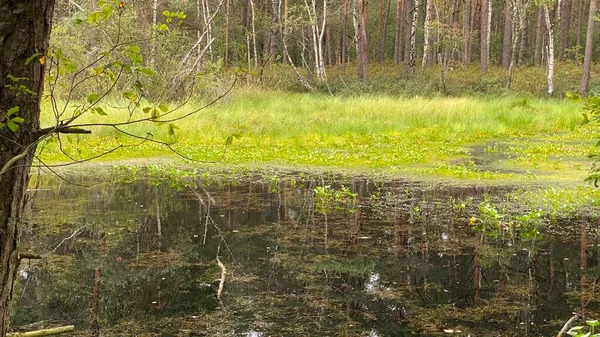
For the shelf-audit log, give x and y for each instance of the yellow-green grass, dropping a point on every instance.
(466, 138)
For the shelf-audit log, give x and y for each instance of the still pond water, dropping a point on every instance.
(303, 254)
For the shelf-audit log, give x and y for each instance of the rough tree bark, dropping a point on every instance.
(362, 43)
(580, 14)
(539, 38)
(507, 35)
(24, 31)
(589, 44)
(398, 35)
(466, 55)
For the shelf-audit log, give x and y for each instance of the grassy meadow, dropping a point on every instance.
(467, 138)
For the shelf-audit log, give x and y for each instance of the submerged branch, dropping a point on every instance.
(45, 332)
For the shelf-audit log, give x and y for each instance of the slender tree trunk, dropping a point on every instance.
(227, 19)
(426, 31)
(519, 8)
(524, 40)
(275, 27)
(580, 19)
(408, 8)
(508, 32)
(342, 59)
(286, 9)
(467, 8)
(589, 44)
(253, 25)
(24, 31)
(413, 38)
(380, 32)
(398, 36)
(386, 24)
(329, 45)
(550, 51)
(565, 25)
(539, 38)
(153, 45)
(362, 42)
(485, 26)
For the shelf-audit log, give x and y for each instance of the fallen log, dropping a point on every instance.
(44, 332)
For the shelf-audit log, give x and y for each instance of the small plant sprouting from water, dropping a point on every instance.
(580, 331)
(328, 199)
(496, 222)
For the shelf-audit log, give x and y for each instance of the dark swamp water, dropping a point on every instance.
(303, 254)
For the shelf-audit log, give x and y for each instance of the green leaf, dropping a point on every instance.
(573, 97)
(593, 323)
(146, 71)
(93, 98)
(166, 13)
(147, 109)
(155, 114)
(100, 111)
(128, 94)
(12, 126)
(78, 21)
(163, 108)
(31, 58)
(17, 120)
(229, 140)
(2, 125)
(12, 111)
(171, 129)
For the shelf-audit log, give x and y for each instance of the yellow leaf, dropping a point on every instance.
(42, 60)
(133, 98)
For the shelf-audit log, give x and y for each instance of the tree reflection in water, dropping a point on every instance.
(304, 255)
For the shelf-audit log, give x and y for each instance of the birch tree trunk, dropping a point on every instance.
(589, 44)
(426, 29)
(550, 51)
(485, 26)
(253, 25)
(153, 45)
(519, 8)
(318, 33)
(413, 38)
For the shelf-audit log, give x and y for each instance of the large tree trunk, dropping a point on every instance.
(466, 32)
(24, 31)
(565, 25)
(398, 36)
(589, 44)
(507, 36)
